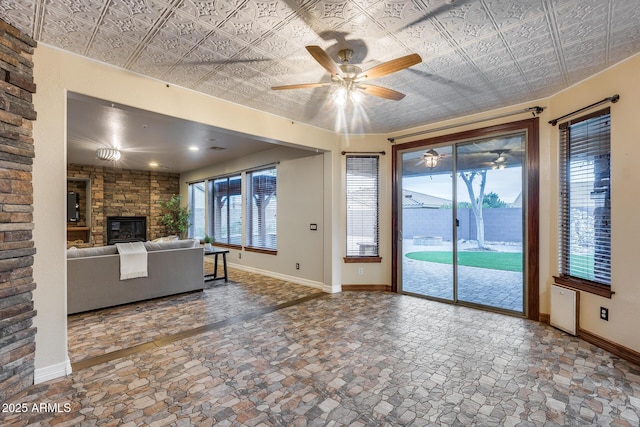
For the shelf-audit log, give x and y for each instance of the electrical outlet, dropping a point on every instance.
(604, 313)
(360, 271)
(297, 266)
(239, 254)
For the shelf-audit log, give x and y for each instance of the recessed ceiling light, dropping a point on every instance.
(193, 148)
(153, 164)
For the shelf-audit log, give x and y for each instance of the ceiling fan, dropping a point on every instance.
(430, 158)
(500, 161)
(349, 78)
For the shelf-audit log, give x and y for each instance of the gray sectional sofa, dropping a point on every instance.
(93, 275)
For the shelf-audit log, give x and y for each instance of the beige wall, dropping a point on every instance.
(369, 273)
(300, 197)
(58, 72)
(624, 306)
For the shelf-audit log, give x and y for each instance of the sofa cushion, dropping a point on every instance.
(74, 252)
(165, 239)
(171, 244)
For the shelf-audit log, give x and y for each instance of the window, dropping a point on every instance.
(585, 201)
(196, 210)
(226, 210)
(362, 206)
(262, 207)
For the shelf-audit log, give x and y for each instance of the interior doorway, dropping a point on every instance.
(463, 207)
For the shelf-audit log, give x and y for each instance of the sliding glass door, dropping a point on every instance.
(428, 219)
(461, 222)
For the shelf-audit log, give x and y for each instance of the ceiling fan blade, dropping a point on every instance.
(382, 92)
(300, 86)
(390, 67)
(324, 59)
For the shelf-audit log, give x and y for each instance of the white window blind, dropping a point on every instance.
(362, 206)
(226, 209)
(262, 207)
(585, 198)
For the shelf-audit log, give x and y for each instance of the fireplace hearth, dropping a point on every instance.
(123, 229)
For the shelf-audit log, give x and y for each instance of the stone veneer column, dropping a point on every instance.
(163, 186)
(17, 334)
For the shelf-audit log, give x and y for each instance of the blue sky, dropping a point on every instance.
(507, 183)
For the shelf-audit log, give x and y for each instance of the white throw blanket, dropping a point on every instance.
(133, 260)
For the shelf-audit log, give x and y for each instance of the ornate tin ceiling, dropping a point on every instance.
(477, 54)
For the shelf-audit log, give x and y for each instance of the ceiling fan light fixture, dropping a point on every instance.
(346, 91)
(340, 96)
(430, 158)
(108, 154)
(501, 161)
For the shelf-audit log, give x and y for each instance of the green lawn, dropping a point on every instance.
(581, 266)
(509, 261)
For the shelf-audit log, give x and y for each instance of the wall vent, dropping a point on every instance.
(564, 309)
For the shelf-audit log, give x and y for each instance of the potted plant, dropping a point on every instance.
(176, 217)
(207, 242)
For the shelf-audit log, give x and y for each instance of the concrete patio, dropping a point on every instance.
(495, 288)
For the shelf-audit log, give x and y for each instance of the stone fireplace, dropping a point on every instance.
(113, 192)
(123, 229)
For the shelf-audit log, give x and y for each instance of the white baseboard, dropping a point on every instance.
(293, 279)
(52, 372)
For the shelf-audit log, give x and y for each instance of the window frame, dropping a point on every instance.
(250, 245)
(351, 257)
(564, 220)
(229, 218)
(192, 210)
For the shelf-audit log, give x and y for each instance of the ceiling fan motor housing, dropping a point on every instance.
(345, 55)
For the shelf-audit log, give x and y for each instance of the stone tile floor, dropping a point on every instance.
(484, 286)
(351, 359)
(97, 332)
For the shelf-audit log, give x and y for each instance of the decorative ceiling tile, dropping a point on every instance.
(223, 45)
(111, 48)
(19, 13)
(477, 54)
(128, 27)
(154, 62)
(147, 11)
(211, 12)
(66, 32)
(88, 11)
